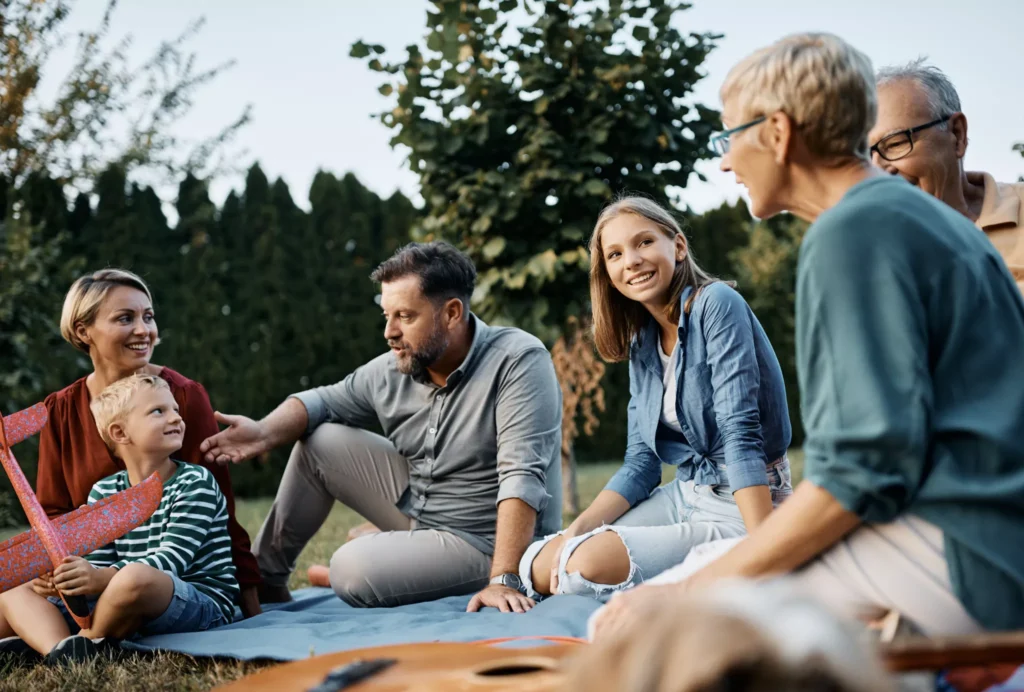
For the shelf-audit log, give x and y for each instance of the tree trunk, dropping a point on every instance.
(570, 487)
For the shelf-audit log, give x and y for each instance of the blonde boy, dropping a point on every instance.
(173, 573)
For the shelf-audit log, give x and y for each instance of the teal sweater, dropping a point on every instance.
(910, 354)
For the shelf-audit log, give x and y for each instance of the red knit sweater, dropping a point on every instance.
(72, 457)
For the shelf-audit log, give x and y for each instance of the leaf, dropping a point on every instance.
(642, 33)
(507, 5)
(540, 106)
(359, 50)
(493, 247)
(596, 187)
(481, 225)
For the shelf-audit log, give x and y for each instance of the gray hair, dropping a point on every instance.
(940, 92)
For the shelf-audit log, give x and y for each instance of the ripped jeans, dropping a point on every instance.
(658, 533)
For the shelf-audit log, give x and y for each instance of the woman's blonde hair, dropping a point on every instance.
(617, 319)
(114, 403)
(820, 81)
(85, 297)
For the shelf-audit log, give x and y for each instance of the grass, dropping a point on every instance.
(177, 672)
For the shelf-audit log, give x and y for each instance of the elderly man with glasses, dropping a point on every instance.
(922, 135)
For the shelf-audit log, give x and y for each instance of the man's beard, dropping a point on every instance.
(417, 362)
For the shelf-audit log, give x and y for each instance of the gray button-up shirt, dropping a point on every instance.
(493, 432)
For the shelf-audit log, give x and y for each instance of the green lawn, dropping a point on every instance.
(179, 672)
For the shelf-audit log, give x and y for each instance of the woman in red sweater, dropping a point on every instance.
(109, 315)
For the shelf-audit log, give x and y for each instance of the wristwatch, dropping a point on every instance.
(511, 580)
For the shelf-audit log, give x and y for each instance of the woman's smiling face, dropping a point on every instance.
(124, 332)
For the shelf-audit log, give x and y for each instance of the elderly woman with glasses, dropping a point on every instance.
(908, 327)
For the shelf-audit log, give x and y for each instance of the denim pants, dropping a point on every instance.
(190, 610)
(658, 533)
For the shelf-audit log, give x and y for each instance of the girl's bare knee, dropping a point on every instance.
(601, 559)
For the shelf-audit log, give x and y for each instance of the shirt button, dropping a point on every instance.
(432, 431)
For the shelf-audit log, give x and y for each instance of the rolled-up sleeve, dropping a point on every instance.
(735, 383)
(862, 353)
(529, 423)
(349, 402)
(640, 472)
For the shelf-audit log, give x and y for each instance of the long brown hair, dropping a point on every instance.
(617, 319)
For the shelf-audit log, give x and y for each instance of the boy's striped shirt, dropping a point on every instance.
(187, 535)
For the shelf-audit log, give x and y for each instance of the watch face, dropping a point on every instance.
(512, 581)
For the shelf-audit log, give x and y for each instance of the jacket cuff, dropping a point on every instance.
(746, 474)
(629, 486)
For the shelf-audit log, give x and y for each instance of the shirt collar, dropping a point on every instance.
(647, 339)
(481, 334)
(997, 208)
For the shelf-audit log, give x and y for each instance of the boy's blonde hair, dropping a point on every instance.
(87, 294)
(114, 403)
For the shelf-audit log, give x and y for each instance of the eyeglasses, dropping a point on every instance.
(898, 145)
(719, 143)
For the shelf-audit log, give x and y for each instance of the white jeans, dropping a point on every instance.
(897, 566)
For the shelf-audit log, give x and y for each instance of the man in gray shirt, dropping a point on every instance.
(467, 474)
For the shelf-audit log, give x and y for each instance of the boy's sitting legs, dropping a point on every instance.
(33, 618)
(136, 595)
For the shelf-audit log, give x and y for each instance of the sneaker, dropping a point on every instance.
(73, 649)
(16, 646)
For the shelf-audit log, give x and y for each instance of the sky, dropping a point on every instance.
(313, 106)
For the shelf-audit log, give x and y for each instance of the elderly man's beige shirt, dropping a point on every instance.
(1002, 219)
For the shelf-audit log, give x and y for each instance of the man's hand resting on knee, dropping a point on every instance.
(505, 599)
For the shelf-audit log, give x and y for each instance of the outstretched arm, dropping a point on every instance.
(245, 438)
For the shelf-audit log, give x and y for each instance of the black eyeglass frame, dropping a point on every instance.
(909, 133)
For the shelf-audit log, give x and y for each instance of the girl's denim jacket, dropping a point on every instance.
(731, 401)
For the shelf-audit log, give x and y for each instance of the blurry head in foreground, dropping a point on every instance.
(738, 636)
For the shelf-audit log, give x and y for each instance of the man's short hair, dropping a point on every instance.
(443, 270)
(940, 92)
(113, 404)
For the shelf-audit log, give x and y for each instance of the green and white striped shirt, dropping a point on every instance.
(187, 535)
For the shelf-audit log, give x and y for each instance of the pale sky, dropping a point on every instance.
(312, 104)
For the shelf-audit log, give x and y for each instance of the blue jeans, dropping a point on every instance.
(190, 610)
(658, 533)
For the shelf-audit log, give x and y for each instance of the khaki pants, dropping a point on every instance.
(897, 566)
(365, 472)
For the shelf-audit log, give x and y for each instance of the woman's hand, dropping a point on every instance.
(572, 531)
(630, 609)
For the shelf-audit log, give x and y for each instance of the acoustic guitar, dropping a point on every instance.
(447, 667)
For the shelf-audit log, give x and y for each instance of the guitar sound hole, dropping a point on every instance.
(510, 669)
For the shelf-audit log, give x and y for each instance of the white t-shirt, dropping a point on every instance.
(669, 415)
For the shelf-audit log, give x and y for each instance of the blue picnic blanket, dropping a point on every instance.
(318, 622)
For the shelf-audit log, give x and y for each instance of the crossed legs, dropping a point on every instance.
(135, 595)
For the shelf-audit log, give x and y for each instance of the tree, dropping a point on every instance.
(106, 110)
(521, 135)
(766, 273)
